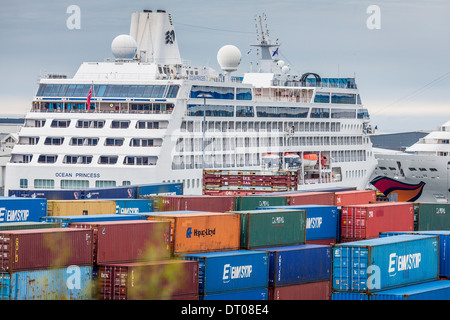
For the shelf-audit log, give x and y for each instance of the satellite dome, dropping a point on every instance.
(124, 47)
(229, 58)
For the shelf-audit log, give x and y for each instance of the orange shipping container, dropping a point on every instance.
(202, 231)
(354, 197)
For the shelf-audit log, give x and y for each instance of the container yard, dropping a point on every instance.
(158, 244)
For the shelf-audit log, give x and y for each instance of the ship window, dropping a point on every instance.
(147, 125)
(322, 97)
(142, 142)
(211, 110)
(126, 183)
(140, 160)
(215, 92)
(90, 123)
(343, 113)
(343, 98)
(412, 169)
(116, 142)
(282, 112)
(173, 91)
(44, 184)
(44, 158)
(107, 160)
(55, 141)
(75, 159)
(433, 169)
(116, 124)
(74, 184)
(244, 111)
(60, 123)
(243, 94)
(422, 169)
(84, 141)
(320, 113)
(24, 183)
(104, 183)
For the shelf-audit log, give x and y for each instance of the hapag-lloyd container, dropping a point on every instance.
(275, 227)
(47, 284)
(128, 241)
(33, 249)
(352, 197)
(80, 207)
(201, 231)
(166, 279)
(195, 203)
(432, 216)
(320, 290)
(444, 247)
(385, 263)
(227, 271)
(298, 264)
(254, 202)
(65, 220)
(322, 222)
(18, 209)
(368, 220)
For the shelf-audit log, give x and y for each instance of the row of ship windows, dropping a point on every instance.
(229, 144)
(410, 169)
(116, 142)
(86, 159)
(69, 184)
(115, 124)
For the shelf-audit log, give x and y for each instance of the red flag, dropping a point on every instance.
(88, 101)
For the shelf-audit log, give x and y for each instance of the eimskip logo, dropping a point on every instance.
(404, 262)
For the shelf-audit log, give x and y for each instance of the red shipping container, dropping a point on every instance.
(168, 279)
(196, 203)
(129, 241)
(304, 198)
(325, 242)
(368, 220)
(307, 291)
(351, 197)
(33, 249)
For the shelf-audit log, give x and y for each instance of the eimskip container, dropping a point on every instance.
(71, 283)
(444, 247)
(433, 290)
(276, 227)
(33, 249)
(322, 222)
(298, 264)
(368, 220)
(385, 263)
(18, 209)
(227, 271)
(201, 231)
(65, 220)
(128, 241)
(166, 279)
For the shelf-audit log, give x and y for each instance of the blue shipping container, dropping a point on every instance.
(231, 270)
(72, 283)
(433, 290)
(385, 263)
(47, 194)
(349, 296)
(298, 264)
(163, 189)
(133, 206)
(444, 247)
(322, 222)
(18, 209)
(65, 220)
(254, 294)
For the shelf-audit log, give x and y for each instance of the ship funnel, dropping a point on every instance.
(155, 37)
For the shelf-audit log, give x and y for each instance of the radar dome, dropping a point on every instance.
(229, 58)
(124, 47)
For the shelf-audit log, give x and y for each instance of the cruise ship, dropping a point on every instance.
(421, 173)
(148, 116)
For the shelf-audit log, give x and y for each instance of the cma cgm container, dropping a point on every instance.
(18, 210)
(128, 241)
(227, 271)
(71, 283)
(385, 263)
(201, 231)
(254, 202)
(306, 291)
(432, 216)
(351, 197)
(298, 264)
(65, 220)
(444, 247)
(322, 222)
(368, 220)
(167, 279)
(45, 248)
(276, 227)
(195, 203)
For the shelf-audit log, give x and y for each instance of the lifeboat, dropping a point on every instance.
(310, 159)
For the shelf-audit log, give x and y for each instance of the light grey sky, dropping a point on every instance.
(402, 69)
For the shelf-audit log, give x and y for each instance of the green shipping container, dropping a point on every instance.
(243, 203)
(27, 225)
(271, 228)
(432, 216)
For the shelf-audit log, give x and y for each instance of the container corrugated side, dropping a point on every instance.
(385, 263)
(166, 188)
(349, 296)
(167, 279)
(276, 227)
(195, 203)
(72, 283)
(33, 249)
(124, 206)
(128, 241)
(245, 203)
(313, 197)
(444, 247)
(306, 291)
(202, 231)
(322, 222)
(354, 197)
(253, 294)
(298, 264)
(65, 220)
(80, 207)
(231, 270)
(433, 290)
(28, 225)
(19, 209)
(432, 216)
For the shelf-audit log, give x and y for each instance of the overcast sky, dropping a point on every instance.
(402, 69)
